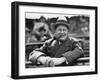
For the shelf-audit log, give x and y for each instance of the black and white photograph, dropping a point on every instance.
(53, 40)
(56, 40)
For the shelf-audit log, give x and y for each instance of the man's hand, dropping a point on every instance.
(51, 62)
(43, 59)
(58, 61)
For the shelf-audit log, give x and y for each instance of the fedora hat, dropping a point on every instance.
(59, 22)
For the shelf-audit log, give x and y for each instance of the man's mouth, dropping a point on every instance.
(62, 35)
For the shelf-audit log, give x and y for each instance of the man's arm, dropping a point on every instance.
(35, 54)
(74, 54)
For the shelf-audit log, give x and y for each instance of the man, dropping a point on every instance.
(59, 50)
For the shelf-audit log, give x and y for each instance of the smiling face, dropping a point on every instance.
(61, 32)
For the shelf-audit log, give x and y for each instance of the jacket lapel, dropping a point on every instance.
(52, 49)
(64, 47)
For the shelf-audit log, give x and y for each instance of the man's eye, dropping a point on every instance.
(59, 29)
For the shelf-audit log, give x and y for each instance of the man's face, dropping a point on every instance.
(61, 32)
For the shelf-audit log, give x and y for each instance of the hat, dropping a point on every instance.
(59, 22)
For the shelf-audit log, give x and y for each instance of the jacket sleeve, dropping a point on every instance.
(74, 54)
(43, 48)
(35, 54)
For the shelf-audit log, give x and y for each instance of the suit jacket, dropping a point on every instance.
(70, 49)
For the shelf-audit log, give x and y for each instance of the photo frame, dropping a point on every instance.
(25, 15)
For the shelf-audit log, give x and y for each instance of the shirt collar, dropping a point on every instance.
(67, 40)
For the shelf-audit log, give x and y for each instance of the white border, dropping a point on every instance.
(54, 70)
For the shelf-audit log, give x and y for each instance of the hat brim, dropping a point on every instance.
(55, 25)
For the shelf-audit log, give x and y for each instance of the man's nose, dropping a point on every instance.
(62, 31)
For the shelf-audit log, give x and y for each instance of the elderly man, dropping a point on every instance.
(60, 50)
